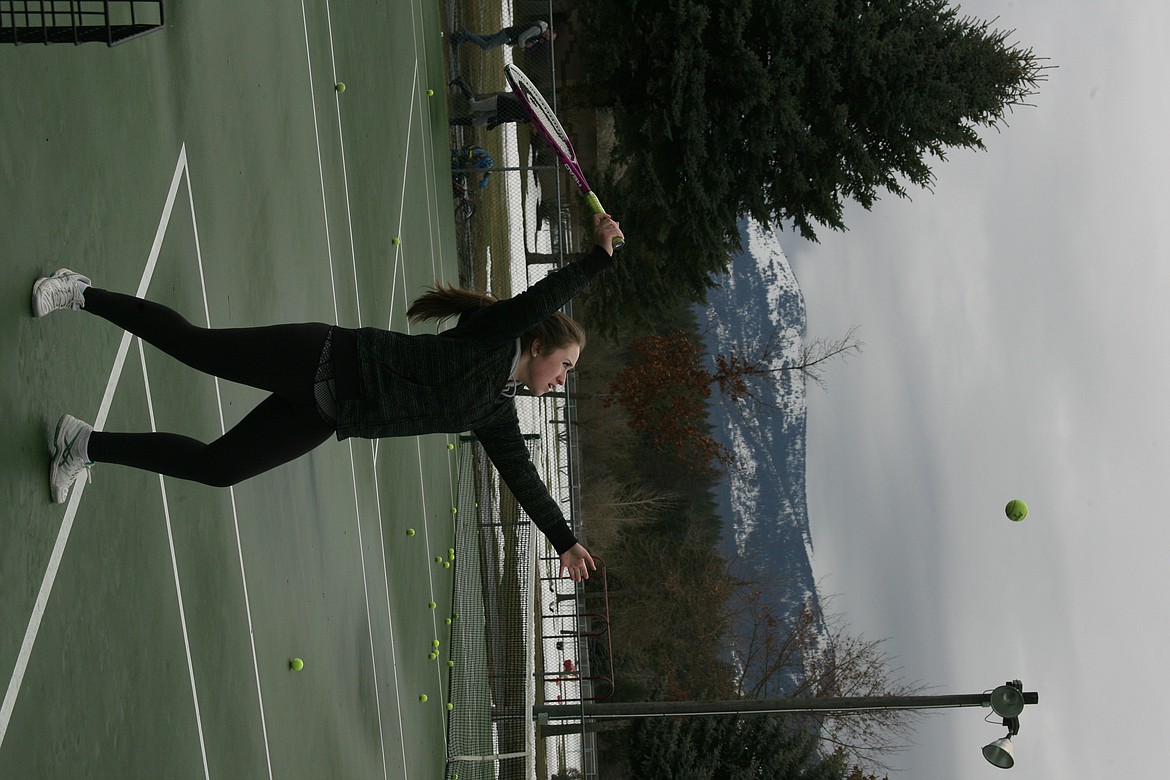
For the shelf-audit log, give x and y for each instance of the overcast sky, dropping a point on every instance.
(1016, 325)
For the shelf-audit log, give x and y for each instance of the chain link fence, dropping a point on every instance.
(518, 217)
(520, 208)
(488, 729)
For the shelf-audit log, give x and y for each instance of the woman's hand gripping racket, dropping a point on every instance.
(545, 121)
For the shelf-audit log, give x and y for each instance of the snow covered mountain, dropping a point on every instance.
(762, 499)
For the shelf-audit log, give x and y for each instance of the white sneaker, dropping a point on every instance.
(67, 461)
(63, 290)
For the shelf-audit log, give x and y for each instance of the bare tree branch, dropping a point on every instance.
(809, 653)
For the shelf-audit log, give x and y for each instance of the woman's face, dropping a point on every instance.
(547, 370)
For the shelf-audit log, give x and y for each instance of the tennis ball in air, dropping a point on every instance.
(1016, 510)
(339, 86)
(296, 664)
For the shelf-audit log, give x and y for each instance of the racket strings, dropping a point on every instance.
(545, 114)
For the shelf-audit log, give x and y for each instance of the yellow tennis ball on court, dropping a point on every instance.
(450, 446)
(434, 643)
(430, 93)
(396, 241)
(340, 86)
(410, 532)
(450, 706)
(296, 664)
(422, 697)
(1016, 510)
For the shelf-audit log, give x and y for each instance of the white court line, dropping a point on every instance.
(369, 621)
(432, 198)
(418, 90)
(231, 490)
(428, 158)
(344, 167)
(337, 319)
(399, 267)
(430, 163)
(320, 163)
(54, 565)
(373, 444)
(175, 567)
(386, 571)
(402, 202)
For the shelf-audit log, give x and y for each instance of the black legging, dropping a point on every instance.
(281, 359)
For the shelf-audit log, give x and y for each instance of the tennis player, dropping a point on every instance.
(527, 36)
(328, 380)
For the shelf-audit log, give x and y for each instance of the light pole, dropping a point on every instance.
(1007, 701)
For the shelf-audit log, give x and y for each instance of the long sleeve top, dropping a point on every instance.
(395, 384)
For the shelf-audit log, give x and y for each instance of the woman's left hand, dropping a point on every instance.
(605, 230)
(577, 562)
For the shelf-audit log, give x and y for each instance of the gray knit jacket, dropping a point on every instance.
(394, 384)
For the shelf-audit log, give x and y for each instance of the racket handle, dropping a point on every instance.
(594, 203)
(596, 208)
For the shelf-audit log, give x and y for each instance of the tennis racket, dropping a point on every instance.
(546, 123)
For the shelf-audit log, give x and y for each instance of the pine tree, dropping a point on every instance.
(783, 110)
(728, 748)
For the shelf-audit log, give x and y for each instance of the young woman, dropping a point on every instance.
(332, 381)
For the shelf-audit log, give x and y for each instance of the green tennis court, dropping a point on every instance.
(147, 625)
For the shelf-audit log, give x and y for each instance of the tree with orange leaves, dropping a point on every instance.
(667, 384)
